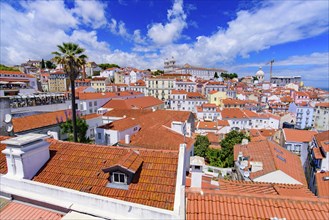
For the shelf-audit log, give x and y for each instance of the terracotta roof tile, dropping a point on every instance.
(265, 188)
(103, 95)
(40, 120)
(212, 204)
(121, 125)
(3, 163)
(15, 210)
(294, 135)
(79, 167)
(322, 140)
(323, 104)
(130, 161)
(135, 103)
(322, 184)
(134, 113)
(273, 157)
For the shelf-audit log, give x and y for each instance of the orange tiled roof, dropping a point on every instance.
(103, 95)
(322, 140)
(16, 73)
(155, 132)
(223, 123)
(131, 161)
(134, 113)
(121, 125)
(294, 135)
(3, 164)
(274, 157)
(207, 125)
(79, 167)
(322, 185)
(91, 116)
(16, 210)
(265, 188)
(40, 120)
(175, 92)
(139, 103)
(317, 153)
(209, 105)
(322, 104)
(233, 102)
(211, 204)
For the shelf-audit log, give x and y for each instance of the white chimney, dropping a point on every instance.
(127, 139)
(196, 164)
(26, 154)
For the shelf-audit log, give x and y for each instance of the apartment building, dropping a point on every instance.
(58, 82)
(99, 83)
(186, 85)
(304, 114)
(321, 116)
(214, 86)
(159, 87)
(185, 101)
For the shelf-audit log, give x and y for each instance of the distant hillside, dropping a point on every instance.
(3, 67)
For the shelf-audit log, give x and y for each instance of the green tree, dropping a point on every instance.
(201, 145)
(43, 66)
(50, 65)
(82, 128)
(105, 66)
(72, 59)
(227, 150)
(216, 75)
(3, 67)
(158, 72)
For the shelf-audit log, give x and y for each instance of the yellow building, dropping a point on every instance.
(216, 97)
(58, 82)
(99, 83)
(160, 88)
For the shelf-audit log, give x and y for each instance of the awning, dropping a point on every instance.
(3, 82)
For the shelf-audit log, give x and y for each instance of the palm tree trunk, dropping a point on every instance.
(74, 117)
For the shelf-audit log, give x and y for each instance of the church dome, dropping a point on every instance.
(260, 72)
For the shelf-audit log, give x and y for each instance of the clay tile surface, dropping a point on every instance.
(15, 210)
(130, 161)
(265, 188)
(317, 153)
(156, 133)
(135, 103)
(121, 125)
(322, 140)
(322, 184)
(79, 167)
(40, 120)
(273, 157)
(3, 163)
(134, 113)
(211, 204)
(298, 135)
(323, 104)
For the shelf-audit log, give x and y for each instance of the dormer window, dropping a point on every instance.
(120, 178)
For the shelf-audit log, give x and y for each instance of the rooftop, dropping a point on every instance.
(80, 167)
(134, 103)
(274, 157)
(293, 135)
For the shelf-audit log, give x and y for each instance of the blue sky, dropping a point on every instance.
(238, 36)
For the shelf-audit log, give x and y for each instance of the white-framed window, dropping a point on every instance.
(120, 178)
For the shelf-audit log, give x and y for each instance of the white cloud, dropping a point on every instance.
(163, 34)
(91, 12)
(36, 30)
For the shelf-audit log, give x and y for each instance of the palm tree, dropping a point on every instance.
(72, 59)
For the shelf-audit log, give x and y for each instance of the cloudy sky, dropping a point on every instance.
(235, 35)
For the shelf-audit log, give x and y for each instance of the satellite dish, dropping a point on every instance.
(8, 118)
(246, 174)
(9, 128)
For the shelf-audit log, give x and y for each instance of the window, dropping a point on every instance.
(95, 103)
(119, 178)
(92, 133)
(90, 104)
(99, 135)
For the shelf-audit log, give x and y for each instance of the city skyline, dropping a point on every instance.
(236, 36)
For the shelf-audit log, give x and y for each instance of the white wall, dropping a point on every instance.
(82, 202)
(277, 177)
